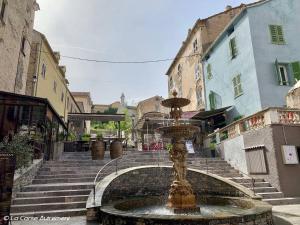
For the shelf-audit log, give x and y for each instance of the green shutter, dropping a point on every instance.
(273, 33)
(280, 35)
(233, 48)
(277, 72)
(296, 70)
(212, 100)
(209, 74)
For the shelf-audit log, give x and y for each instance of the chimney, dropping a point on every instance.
(64, 69)
(57, 56)
(228, 7)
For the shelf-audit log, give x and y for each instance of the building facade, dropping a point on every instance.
(47, 79)
(255, 61)
(84, 101)
(186, 73)
(16, 25)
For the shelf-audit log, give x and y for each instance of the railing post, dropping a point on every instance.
(94, 194)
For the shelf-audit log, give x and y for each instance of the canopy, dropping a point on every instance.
(96, 117)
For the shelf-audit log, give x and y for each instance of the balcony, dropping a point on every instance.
(257, 121)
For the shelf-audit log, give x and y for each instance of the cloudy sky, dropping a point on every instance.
(121, 30)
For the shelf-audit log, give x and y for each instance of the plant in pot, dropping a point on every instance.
(20, 146)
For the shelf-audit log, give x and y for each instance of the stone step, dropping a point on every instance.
(59, 186)
(259, 190)
(283, 201)
(247, 180)
(71, 164)
(63, 180)
(49, 199)
(47, 206)
(68, 192)
(256, 184)
(65, 176)
(271, 195)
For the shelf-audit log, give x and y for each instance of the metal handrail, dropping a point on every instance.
(252, 179)
(99, 172)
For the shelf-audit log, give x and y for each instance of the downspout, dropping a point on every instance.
(37, 68)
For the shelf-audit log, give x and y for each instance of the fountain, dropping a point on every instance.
(136, 195)
(181, 196)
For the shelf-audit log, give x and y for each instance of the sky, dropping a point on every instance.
(121, 30)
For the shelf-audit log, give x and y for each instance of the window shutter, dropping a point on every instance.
(277, 72)
(233, 48)
(273, 33)
(280, 34)
(212, 100)
(296, 70)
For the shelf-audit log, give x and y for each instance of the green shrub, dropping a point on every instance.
(19, 146)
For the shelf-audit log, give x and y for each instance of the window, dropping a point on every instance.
(54, 86)
(277, 35)
(195, 46)
(233, 48)
(44, 70)
(23, 45)
(171, 83)
(282, 73)
(212, 100)
(237, 85)
(296, 70)
(3, 12)
(62, 97)
(199, 96)
(179, 70)
(197, 71)
(209, 73)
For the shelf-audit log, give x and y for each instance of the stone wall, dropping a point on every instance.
(155, 181)
(16, 26)
(26, 176)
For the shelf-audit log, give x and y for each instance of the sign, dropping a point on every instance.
(7, 170)
(289, 155)
(190, 147)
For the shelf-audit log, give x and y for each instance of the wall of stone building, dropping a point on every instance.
(234, 153)
(288, 174)
(150, 105)
(19, 19)
(26, 176)
(283, 177)
(206, 32)
(293, 97)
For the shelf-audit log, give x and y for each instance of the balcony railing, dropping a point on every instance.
(257, 121)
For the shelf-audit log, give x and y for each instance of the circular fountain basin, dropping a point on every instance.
(184, 131)
(213, 210)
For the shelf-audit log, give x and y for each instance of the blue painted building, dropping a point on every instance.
(255, 60)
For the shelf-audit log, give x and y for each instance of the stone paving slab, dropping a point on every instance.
(78, 220)
(287, 214)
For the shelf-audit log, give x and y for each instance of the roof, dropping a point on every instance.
(234, 20)
(192, 31)
(202, 115)
(45, 101)
(96, 117)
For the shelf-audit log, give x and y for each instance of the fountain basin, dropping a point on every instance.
(179, 131)
(214, 210)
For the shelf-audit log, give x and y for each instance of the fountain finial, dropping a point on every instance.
(174, 93)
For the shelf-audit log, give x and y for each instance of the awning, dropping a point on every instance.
(96, 117)
(203, 115)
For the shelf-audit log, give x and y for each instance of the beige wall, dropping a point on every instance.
(205, 32)
(150, 105)
(44, 65)
(84, 98)
(17, 23)
(293, 97)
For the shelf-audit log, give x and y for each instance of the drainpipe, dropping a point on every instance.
(37, 68)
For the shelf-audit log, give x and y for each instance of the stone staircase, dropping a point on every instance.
(61, 187)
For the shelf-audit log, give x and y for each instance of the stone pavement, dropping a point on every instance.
(287, 214)
(77, 220)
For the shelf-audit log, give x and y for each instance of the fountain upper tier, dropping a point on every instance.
(179, 131)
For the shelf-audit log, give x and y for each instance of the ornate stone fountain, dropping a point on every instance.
(181, 196)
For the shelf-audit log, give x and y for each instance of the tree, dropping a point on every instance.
(110, 110)
(126, 125)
